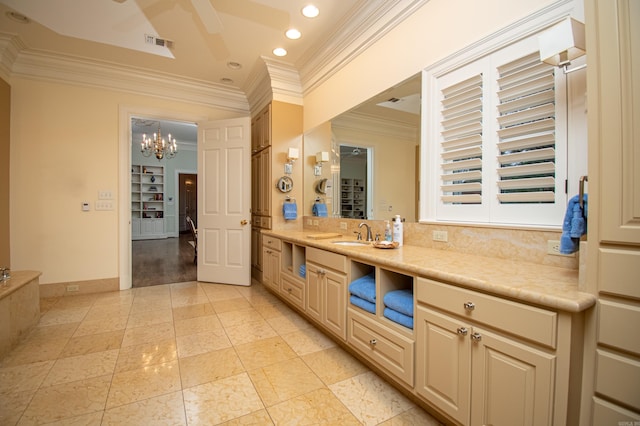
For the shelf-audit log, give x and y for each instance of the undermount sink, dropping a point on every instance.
(351, 243)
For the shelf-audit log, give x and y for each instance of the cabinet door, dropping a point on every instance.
(271, 268)
(443, 362)
(512, 384)
(335, 306)
(313, 305)
(614, 102)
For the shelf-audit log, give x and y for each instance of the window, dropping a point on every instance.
(496, 143)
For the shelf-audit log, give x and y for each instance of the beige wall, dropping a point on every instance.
(5, 115)
(436, 30)
(64, 149)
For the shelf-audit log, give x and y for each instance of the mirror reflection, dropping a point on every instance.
(373, 168)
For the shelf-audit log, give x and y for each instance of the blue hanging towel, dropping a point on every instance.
(290, 210)
(319, 209)
(574, 225)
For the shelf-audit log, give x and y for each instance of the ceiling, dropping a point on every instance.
(207, 35)
(217, 42)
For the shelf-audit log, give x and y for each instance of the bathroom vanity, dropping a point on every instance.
(494, 341)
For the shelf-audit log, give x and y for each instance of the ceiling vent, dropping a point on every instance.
(157, 41)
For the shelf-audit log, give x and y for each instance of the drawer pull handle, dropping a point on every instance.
(373, 341)
(290, 289)
(462, 331)
(476, 337)
(469, 306)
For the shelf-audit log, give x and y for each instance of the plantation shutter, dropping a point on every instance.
(461, 142)
(497, 139)
(526, 162)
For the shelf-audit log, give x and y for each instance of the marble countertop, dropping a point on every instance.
(542, 285)
(17, 280)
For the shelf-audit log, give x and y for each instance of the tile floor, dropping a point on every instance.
(189, 353)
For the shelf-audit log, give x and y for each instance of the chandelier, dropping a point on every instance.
(158, 146)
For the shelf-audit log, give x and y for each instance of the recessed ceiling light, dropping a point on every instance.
(279, 51)
(234, 65)
(18, 17)
(310, 11)
(226, 80)
(293, 34)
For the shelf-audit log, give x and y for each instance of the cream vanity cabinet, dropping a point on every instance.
(327, 290)
(471, 367)
(271, 262)
(386, 343)
(612, 367)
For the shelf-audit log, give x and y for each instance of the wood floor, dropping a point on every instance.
(163, 261)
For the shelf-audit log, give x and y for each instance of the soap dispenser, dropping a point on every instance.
(387, 231)
(397, 230)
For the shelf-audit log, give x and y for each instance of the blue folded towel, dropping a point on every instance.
(574, 225)
(400, 300)
(302, 271)
(363, 304)
(290, 210)
(319, 209)
(364, 288)
(396, 316)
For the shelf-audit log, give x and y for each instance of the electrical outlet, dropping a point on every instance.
(553, 248)
(315, 222)
(440, 236)
(309, 221)
(73, 287)
(343, 225)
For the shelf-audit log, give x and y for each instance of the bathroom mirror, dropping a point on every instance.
(374, 157)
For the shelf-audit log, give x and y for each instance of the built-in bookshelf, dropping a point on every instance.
(353, 198)
(147, 202)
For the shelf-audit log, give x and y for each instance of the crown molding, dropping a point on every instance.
(368, 22)
(10, 47)
(258, 87)
(375, 125)
(91, 73)
(285, 81)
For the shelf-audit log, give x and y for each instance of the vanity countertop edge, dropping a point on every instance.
(543, 285)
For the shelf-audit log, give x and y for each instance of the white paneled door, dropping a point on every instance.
(224, 201)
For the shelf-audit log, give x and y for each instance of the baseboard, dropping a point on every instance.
(79, 287)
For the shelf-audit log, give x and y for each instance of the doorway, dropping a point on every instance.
(187, 200)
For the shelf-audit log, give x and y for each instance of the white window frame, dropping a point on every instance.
(513, 42)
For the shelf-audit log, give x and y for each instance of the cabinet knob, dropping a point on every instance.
(469, 306)
(290, 289)
(373, 341)
(462, 331)
(243, 222)
(476, 337)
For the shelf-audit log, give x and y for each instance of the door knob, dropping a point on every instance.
(243, 222)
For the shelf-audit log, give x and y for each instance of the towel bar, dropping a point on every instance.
(583, 179)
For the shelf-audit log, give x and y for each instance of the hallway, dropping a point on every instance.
(162, 261)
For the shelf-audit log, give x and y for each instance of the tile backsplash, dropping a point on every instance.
(515, 244)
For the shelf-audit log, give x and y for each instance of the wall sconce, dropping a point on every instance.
(562, 43)
(292, 156)
(321, 157)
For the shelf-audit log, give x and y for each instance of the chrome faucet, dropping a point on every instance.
(369, 237)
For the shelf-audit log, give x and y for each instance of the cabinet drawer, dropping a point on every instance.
(293, 291)
(618, 377)
(618, 325)
(619, 271)
(524, 321)
(606, 413)
(327, 259)
(385, 347)
(272, 242)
